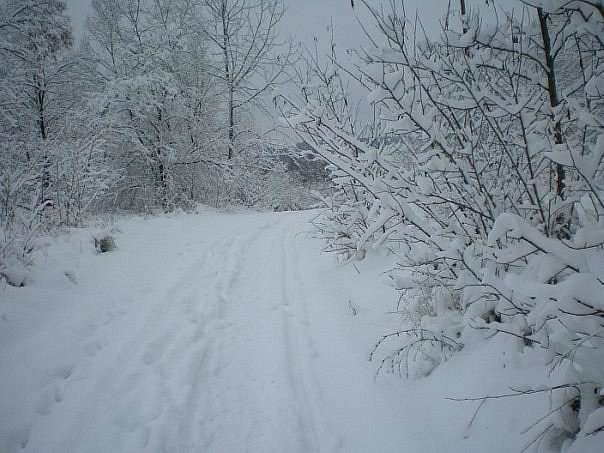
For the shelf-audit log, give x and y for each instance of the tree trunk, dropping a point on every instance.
(231, 122)
(163, 182)
(463, 16)
(40, 96)
(552, 89)
(228, 77)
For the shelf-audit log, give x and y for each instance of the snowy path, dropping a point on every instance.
(224, 333)
(200, 334)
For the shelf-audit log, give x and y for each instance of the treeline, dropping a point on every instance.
(489, 190)
(154, 108)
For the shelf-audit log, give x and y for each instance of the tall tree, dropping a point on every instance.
(35, 36)
(248, 57)
(156, 96)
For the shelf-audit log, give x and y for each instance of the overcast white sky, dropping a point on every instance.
(308, 18)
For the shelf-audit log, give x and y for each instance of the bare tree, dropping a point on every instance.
(248, 56)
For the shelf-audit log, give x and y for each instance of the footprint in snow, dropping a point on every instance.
(155, 350)
(18, 437)
(48, 398)
(92, 348)
(63, 371)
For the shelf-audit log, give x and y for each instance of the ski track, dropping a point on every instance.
(322, 429)
(212, 351)
(293, 357)
(202, 368)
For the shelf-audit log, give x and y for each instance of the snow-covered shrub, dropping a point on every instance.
(280, 189)
(157, 107)
(254, 179)
(20, 213)
(104, 243)
(81, 179)
(485, 176)
(34, 39)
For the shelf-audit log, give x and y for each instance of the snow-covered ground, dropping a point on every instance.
(229, 332)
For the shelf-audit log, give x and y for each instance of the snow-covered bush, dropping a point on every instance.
(104, 243)
(52, 170)
(20, 213)
(267, 184)
(254, 178)
(81, 179)
(155, 104)
(485, 176)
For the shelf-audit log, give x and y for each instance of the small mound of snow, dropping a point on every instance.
(15, 273)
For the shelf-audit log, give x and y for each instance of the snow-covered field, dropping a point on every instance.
(229, 332)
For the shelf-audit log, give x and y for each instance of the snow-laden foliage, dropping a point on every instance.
(486, 179)
(256, 179)
(135, 117)
(164, 93)
(49, 167)
(19, 215)
(154, 99)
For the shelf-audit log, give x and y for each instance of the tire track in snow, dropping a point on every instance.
(124, 374)
(242, 401)
(191, 358)
(186, 362)
(182, 354)
(202, 409)
(296, 360)
(201, 372)
(188, 375)
(325, 430)
(160, 354)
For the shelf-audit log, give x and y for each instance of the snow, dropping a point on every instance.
(378, 95)
(231, 332)
(595, 421)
